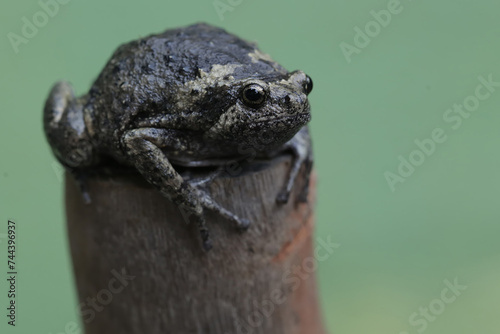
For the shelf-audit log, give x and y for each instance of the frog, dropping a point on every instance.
(194, 96)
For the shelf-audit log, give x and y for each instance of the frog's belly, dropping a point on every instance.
(222, 161)
(209, 162)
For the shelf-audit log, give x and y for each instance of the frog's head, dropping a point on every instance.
(265, 111)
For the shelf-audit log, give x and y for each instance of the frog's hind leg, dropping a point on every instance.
(67, 133)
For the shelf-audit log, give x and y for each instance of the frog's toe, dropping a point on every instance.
(207, 242)
(244, 224)
(283, 197)
(241, 223)
(210, 204)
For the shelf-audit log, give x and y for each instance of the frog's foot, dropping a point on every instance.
(210, 204)
(204, 233)
(196, 215)
(192, 213)
(65, 128)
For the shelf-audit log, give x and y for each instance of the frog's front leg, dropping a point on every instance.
(301, 148)
(144, 150)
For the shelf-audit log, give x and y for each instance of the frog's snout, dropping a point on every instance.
(294, 99)
(295, 103)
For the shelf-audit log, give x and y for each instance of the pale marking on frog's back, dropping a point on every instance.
(75, 118)
(89, 122)
(57, 111)
(226, 119)
(60, 104)
(219, 75)
(258, 55)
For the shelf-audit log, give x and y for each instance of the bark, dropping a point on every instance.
(245, 284)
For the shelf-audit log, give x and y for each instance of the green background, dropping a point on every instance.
(397, 247)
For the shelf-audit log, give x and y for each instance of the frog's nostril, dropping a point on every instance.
(290, 104)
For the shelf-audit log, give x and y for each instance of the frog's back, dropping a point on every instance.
(180, 54)
(200, 46)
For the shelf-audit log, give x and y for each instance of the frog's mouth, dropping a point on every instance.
(269, 130)
(270, 134)
(302, 118)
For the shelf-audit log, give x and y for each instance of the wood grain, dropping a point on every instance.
(245, 284)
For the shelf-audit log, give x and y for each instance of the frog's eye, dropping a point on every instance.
(253, 95)
(308, 85)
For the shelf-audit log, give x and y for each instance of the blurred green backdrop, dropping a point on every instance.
(376, 92)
